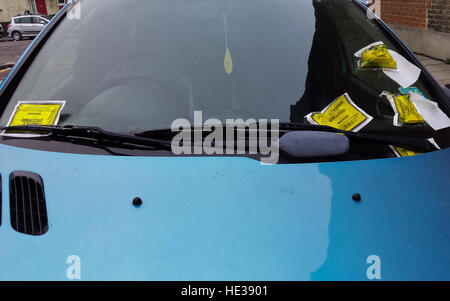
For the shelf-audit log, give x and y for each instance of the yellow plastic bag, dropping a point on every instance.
(377, 56)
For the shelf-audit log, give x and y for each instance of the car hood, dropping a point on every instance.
(206, 218)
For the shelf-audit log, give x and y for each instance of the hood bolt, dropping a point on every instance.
(356, 197)
(137, 202)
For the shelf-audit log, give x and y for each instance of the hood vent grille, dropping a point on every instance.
(27, 203)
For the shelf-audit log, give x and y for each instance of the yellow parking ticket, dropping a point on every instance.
(36, 113)
(405, 112)
(403, 152)
(342, 114)
(377, 56)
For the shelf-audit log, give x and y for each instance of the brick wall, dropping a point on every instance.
(411, 13)
(424, 25)
(431, 14)
(439, 15)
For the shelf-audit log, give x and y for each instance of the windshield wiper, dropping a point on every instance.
(285, 127)
(97, 134)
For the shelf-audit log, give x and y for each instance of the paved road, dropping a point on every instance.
(3, 73)
(439, 69)
(11, 51)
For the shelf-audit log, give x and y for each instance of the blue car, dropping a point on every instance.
(222, 140)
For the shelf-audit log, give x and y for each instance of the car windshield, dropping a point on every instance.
(138, 65)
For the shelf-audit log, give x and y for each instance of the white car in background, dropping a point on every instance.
(26, 26)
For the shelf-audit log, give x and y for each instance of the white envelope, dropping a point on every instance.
(430, 111)
(406, 73)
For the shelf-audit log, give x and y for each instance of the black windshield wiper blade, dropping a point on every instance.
(407, 142)
(87, 132)
(284, 127)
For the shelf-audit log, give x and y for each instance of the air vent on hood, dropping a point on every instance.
(27, 203)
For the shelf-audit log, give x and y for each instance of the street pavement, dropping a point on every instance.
(439, 69)
(11, 51)
(3, 73)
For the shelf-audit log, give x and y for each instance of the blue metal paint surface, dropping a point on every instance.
(231, 218)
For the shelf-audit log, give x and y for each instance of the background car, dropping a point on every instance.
(1, 30)
(26, 26)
